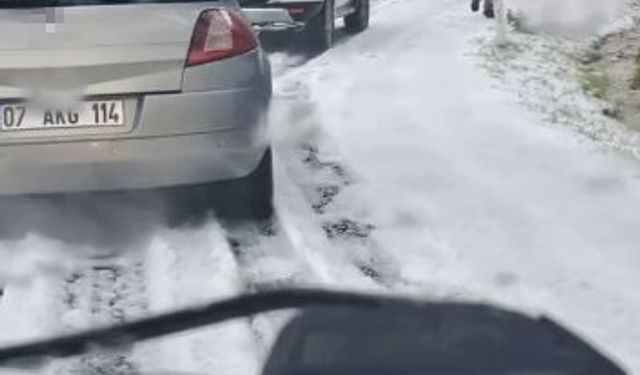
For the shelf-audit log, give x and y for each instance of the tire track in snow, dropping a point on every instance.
(174, 268)
(190, 266)
(334, 196)
(338, 199)
(104, 293)
(67, 293)
(267, 261)
(312, 163)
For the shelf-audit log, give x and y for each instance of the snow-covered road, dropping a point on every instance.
(401, 166)
(470, 193)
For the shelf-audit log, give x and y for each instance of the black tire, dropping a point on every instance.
(248, 198)
(358, 21)
(320, 30)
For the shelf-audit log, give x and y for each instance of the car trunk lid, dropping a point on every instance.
(95, 49)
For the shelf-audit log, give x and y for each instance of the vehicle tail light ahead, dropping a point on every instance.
(219, 34)
(296, 11)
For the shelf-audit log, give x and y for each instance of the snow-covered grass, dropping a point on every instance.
(544, 72)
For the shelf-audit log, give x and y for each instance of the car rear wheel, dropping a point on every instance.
(358, 21)
(320, 30)
(248, 198)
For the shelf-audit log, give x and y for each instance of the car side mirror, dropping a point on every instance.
(430, 339)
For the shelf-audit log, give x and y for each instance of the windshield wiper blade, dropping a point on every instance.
(183, 320)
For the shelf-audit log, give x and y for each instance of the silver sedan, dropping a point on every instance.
(103, 95)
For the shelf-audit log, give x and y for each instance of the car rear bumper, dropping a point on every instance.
(272, 19)
(213, 130)
(127, 164)
(275, 16)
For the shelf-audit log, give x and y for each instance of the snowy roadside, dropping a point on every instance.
(546, 74)
(468, 190)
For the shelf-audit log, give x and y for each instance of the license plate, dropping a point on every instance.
(95, 113)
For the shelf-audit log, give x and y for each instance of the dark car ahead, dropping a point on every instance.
(315, 19)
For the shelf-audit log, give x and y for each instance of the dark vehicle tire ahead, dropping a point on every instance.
(248, 198)
(358, 21)
(320, 30)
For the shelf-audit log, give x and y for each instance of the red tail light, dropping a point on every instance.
(296, 11)
(219, 34)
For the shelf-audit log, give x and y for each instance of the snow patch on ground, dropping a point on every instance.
(189, 267)
(474, 195)
(31, 271)
(566, 17)
(545, 74)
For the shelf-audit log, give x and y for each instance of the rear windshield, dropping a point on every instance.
(55, 3)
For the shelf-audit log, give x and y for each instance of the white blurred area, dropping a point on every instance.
(572, 18)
